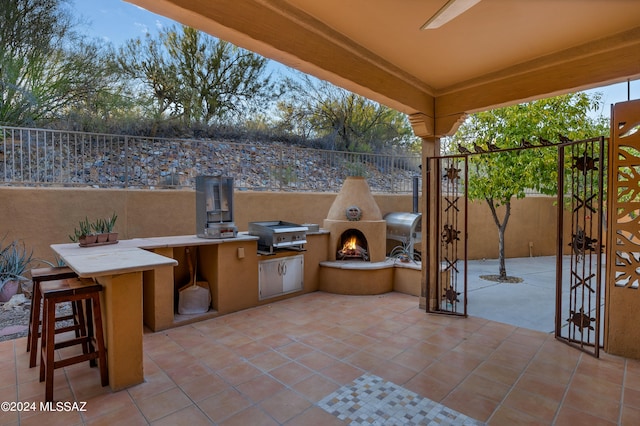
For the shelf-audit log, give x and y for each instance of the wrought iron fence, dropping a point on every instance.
(40, 157)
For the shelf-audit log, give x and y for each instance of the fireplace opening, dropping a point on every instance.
(352, 246)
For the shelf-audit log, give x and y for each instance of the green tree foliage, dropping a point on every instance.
(343, 120)
(196, 77)
(45, 68)
(499, 177)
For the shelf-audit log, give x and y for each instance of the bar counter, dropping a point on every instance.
(119, 268)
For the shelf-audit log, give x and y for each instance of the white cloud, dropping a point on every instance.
(143, 28)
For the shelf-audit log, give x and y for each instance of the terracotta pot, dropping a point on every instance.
(113, 236)
(9, 289)
(88, 239)
(102, 238)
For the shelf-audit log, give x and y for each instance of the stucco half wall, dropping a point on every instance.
(44, 216)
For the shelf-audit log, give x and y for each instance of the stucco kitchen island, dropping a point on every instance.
(141, 278)
(118, 268)
(137, 270)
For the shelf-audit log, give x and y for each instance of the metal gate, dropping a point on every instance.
(448, 177)
(579, 296)
(579, 291)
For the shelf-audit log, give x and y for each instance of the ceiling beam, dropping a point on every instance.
(309, 46)
(591, 65)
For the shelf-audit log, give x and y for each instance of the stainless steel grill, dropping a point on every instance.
(274, 235)
(406, 228)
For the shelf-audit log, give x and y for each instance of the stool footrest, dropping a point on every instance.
(75, 360)
(65, 318)
(66, 329)
(73, 342)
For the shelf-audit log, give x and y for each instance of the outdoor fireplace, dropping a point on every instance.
(355, 213)
(357, 244)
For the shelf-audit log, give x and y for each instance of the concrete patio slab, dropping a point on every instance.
(529, 304)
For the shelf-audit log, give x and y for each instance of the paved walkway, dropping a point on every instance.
(529, 304)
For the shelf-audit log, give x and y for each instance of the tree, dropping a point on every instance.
(104, 98)
(196, 77)
(346, 121)
(44, 66)
(499, 177)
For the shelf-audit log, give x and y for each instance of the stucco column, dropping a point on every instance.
(430, 148)
(423, 126)
(430, 129)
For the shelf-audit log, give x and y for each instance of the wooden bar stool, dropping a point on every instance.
(91, 338)
(38, 276)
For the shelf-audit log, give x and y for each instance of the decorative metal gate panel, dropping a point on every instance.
(579, 290)
(622, 334)
(448, 176)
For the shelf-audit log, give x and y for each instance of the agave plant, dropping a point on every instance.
(109, 223)
(404, 253)
(14, 261)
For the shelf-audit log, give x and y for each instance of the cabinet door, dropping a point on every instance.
(293, 273)
(269, 278)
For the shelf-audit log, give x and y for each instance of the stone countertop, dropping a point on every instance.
(115, 262)
(147, 243)
(359, 265)
(190, 240)
(320, 231)
(129, 255)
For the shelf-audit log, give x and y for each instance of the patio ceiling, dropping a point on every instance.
(496, 53)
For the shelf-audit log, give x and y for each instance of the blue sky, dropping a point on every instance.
(117, 21)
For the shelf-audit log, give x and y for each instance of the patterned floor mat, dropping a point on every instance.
(370, 400)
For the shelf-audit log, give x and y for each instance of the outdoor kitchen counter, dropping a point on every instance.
(149, 243)
(123, 270)
(189, 241)
(141, 278)
(119, 269)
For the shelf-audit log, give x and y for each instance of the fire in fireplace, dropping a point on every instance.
(353, 246)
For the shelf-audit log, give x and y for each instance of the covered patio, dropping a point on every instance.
(292, 361)
(439, 61)
(287, 362)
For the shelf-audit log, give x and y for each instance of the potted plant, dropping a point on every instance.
(84, 234)
(14, 260)
(109, 225)
(100, 229)
(104, 229)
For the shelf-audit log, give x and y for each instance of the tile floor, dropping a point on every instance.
(290, 362)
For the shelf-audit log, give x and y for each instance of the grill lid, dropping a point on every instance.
(404, 226)
(277, 227)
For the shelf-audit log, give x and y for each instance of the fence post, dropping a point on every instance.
(126, 162)
(391, 172)
(279, 171)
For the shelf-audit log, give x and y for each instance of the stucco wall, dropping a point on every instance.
(531, 229)
(43, 216)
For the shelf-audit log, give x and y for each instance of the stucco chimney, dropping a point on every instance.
(355, 208)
